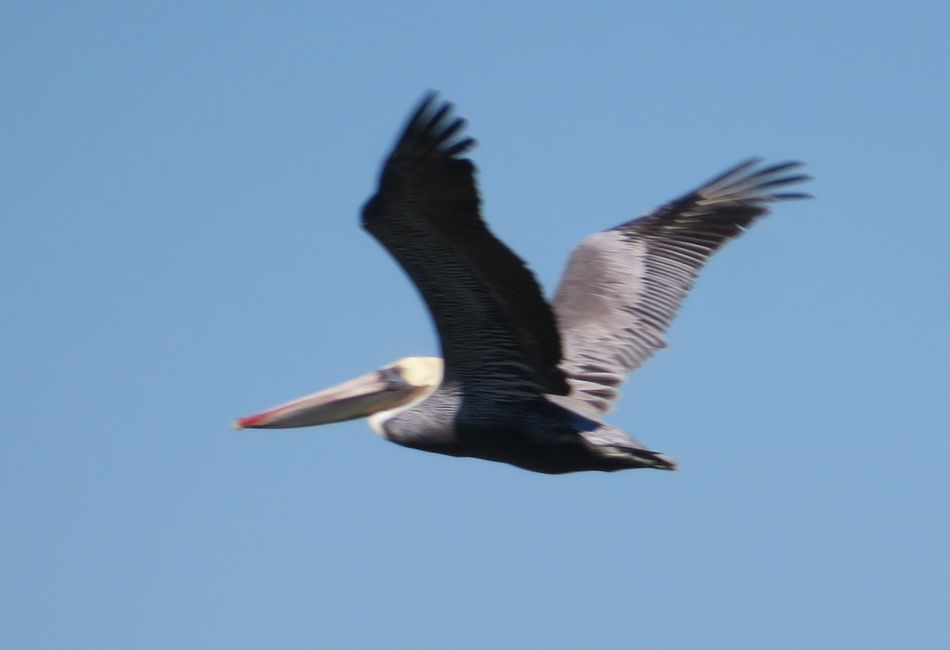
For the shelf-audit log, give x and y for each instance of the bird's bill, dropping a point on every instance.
(360, 397)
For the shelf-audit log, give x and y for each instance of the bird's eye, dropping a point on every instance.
(392, 375)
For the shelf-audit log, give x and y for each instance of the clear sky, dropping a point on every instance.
(180, 193)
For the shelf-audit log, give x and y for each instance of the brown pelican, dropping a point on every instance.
(525, 381)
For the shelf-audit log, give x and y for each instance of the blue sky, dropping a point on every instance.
(181, 185)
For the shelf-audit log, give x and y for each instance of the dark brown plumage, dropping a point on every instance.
(426, 213)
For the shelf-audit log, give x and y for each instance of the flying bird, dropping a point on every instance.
(522, 380)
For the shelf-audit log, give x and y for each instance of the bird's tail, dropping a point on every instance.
(634, 457)
(653, 459)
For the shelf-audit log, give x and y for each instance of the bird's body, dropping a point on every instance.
(536, 434)
(524, 381)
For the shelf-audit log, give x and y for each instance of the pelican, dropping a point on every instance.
(521, 380)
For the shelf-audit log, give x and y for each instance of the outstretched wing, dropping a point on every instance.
(622, 287)
(496, 331)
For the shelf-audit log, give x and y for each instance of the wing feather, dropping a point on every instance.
(495, 328)
(623, 287)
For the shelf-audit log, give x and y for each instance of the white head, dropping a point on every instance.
(420, 375)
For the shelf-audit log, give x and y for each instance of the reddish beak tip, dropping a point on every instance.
(248, 422)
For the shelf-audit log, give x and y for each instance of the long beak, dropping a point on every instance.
(373, 392)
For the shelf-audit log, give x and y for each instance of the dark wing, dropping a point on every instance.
(623, 287)
(496, 330)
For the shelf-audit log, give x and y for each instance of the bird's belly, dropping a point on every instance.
(550, 453)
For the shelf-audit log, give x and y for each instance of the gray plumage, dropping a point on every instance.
(622, 287)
